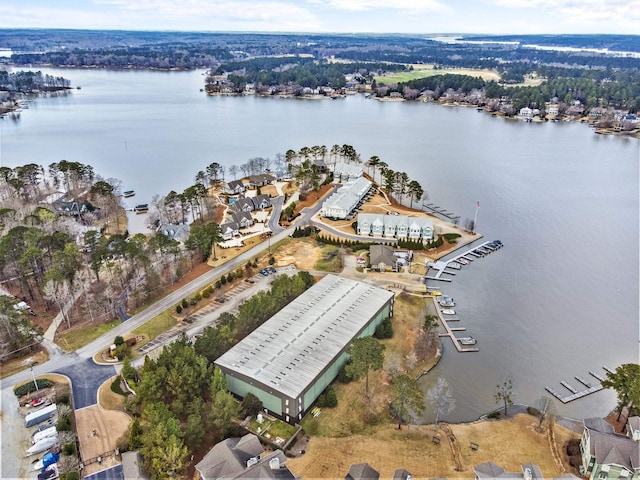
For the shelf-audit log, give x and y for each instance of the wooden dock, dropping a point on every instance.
(431, 208)
(450, 331)
(576, 394)
(444, 267)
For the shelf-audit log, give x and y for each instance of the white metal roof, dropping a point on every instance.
(290, 349)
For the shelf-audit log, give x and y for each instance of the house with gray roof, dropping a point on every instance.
(382, 257)
(233, 187)
(362, 471)
(633, 428)
(229, 230)
(344, 202)
(346, 172)
(529, 471)
(243, 458)
(260, 180)
(243, 219)
(606, 454)
(242, 204)
(179, 233)
(395, 226)
(290, 359)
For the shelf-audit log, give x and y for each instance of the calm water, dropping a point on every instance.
(559, 300)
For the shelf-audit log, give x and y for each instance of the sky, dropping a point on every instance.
(332, 16)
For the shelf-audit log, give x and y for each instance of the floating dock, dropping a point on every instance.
(576, 394)
(450, 331)
(470, 255)
(431, 208)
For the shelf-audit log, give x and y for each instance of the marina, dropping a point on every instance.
(462, 344)
(431, 208)
(465, 258)
(576, 394)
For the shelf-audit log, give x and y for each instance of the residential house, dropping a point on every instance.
(346, 171)
(608, 455)
(243, 219)
(260, 180)
(343, 203)
(243, 458)
(228, 230)
(401, 474)
(395, 226)
(525, 113)
(633, 428)
(242, 204)
(491, 470)
(233, 187)
(260, 202)
(362, 471)
(552, 108)
(179, 233)
(381, 258)
(370, 224)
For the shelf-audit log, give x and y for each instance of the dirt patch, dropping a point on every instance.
(508, 443)
(302, 252)
(98, 430)
(198, 270)
(313, 197)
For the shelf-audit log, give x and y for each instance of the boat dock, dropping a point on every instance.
(576, 394)
(431, 208)
(442, 267)
(450, 331)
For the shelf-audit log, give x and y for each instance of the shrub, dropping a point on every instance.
(64, 399)
(384, 330)
(331, 399)
(311, 427)
(118, 341)
(115, 387)
(343, 376)
(178, 309)
(223, 280)
(30, 387)
(272, 260)
(185, 304)
(218, 283)
(69, 449)
(494, 415)
(198, 297)
(193, 301)
(69, 476)
(230, 277)
(206, 294)
(209, 289)
(533, 411)
(64, 423)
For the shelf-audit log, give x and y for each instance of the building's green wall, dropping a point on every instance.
(241, 388)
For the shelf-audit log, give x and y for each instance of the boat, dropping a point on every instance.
(142, 208)
(453, 265)
(446, 301)
(467, 341)
(448, 311)
(463, 261)
(435, 293)
(129, 193)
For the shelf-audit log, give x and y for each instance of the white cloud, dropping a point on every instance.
(408, 6)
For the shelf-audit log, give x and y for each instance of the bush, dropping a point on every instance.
(218, 283)
(209, 289)
(193, 301)
(272, 260)
(384, 330)
(29, 387)
(206, 294)
(534, 412)
(494, 415)
(343, 376)
(118, 341)
(69, 476)
(64, 399)
(198, 297)
(115, 387)
(178, 309)
(69, 449)
(322, 401)
(230, 277)
(223, 280)
(331, 399)
(64, 423)
(185, 304)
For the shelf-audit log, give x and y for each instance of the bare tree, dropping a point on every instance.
(441, 399)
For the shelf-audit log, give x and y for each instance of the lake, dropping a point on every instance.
(560, 299)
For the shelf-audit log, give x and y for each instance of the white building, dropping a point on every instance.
(346, 200)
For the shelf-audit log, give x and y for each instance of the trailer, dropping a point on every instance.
(40, 416)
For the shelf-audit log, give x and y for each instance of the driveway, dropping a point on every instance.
(86, 376)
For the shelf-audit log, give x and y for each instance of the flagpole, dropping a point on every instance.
(475, 218)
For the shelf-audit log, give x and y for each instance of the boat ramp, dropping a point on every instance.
(575, 393)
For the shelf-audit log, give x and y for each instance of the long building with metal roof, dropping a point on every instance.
(289, 360)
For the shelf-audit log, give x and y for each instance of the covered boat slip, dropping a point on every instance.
(298, 352)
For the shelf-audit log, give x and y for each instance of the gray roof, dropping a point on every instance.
(382, 254)
(598, 425)
(291, 349)
(401, 474)
(233, 184)
(614, 449)
(229, 457)
(362, 471)
(488, 470)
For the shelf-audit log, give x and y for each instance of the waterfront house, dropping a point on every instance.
(175, 232)
(260, 202)
(233, 187)
(242, 204)
(346, 171)
(344, 202)
(370, 224)
(525, 113)
(552, 109)
(608, 455)
(261, 180)
(490, 470)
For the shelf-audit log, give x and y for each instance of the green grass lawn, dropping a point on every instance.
(154, 327)
(329, 260)
(422, 71)
(272, 429)
(75, 339)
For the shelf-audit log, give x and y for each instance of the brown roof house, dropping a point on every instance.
(381, 257)
(243, 458)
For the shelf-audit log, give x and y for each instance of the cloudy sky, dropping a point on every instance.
(380, 16)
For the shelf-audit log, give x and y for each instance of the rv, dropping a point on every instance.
(39, 416)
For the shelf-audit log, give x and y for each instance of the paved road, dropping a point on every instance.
(86, 377)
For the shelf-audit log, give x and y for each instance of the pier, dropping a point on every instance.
(450, 331)
(444, 266)
(431, 208)
(576, 394)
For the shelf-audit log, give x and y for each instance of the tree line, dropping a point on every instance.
(27, 81)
